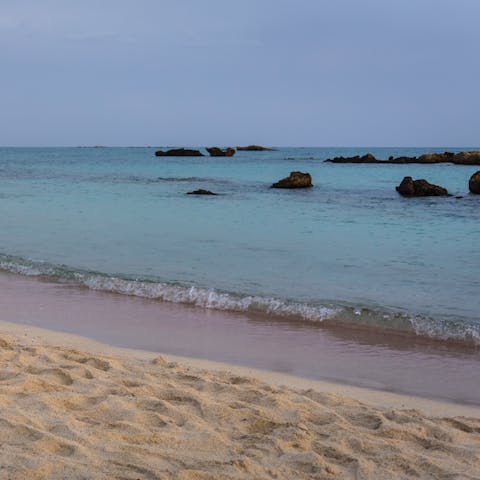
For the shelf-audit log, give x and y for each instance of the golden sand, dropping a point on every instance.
(71, 414)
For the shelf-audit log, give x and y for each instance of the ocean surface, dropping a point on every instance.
(349, 250)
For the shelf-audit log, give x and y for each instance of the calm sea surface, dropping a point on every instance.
(348, 250)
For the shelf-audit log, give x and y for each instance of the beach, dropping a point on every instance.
(74, 408)
(239, 240)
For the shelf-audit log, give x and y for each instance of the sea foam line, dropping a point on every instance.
(421, 325)
(190, 295)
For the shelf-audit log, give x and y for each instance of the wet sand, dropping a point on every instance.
(72, 408)
(366, 358)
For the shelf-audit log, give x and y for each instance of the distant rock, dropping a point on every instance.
(446, 157)
(474, 183)
(219, 152)
(400, 160)
(419, 188)
(368, 158)
(461, 158)
(254, 148)
(179, 152)
(295, 180)
(201, 192)
(467, 158)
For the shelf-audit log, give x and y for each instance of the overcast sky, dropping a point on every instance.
(221, 72)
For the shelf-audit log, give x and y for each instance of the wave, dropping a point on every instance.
(447, 329)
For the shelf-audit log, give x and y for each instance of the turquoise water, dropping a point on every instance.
(348, 250)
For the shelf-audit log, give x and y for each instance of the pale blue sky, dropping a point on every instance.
(220, 72)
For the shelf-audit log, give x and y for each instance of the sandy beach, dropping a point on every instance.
(74, 408)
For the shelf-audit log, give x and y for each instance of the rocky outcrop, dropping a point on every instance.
(467, 158)
(474, 183)
(368, 158)
(254, 148)
(201, 192)
(461, 158)
(419, 188)
(179, 152)
(295, 180)
(219, 152)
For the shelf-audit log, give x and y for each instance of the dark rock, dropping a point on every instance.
(458, 197)
(295, 180)
(254, 148)
(467, 158)
(474, 183)
(446, 157)
(218, 152)
(419, 188)
(201, 192)
(368, 158)
(461, 158)
(398, 160)
(179, 152)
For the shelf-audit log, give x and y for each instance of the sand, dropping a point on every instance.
(75, 409)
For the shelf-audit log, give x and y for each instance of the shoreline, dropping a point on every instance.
(376, 319)
(334, 355)
(35, 336)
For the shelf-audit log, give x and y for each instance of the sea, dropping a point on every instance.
(348, 252)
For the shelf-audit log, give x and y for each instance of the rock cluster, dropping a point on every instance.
(419, 188)
(461, 158)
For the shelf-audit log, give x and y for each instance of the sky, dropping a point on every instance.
(224, 72)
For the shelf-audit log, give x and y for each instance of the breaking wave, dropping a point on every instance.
(459, 330)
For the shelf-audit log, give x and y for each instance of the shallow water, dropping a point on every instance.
(367, 358)
(348, 250)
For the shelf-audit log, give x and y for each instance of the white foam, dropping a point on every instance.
(213, 299)
(210, 299)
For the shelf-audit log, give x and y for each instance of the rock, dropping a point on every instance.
(254, 148)
(467, 158)
(368, 158)
(461, 158)
(403, 160)
(218, 152)
(419, 188)
(201, 192)
(295, 180)
(446, 157)
(179, 152)
(474, 183)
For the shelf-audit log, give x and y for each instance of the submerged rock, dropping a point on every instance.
(254, 148)
(295, 180)
(219, 152)
(419, 188)
(201, 191)
(474, 183)
(179, 152)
